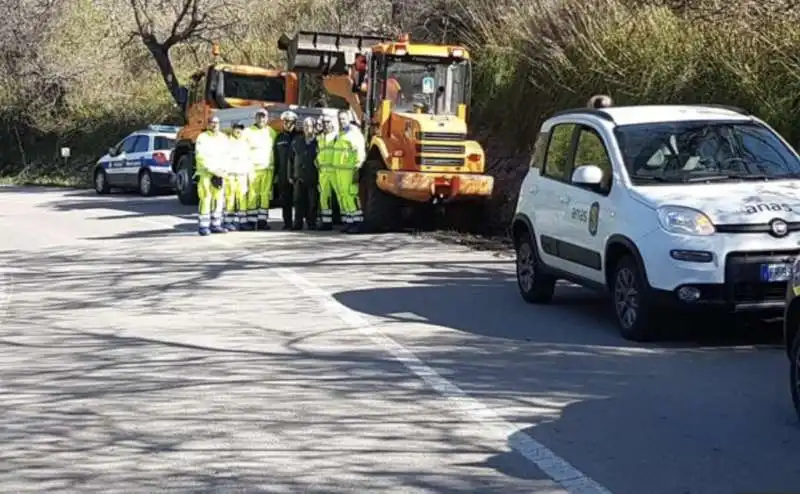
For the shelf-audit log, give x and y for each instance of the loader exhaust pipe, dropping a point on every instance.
(316, 52)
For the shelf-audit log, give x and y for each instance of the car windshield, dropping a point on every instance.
(436, 85)
(702, 151)
(254, 87)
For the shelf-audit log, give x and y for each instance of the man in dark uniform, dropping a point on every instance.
(305, 177)
(283, 160)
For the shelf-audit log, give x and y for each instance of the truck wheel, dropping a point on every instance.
(794, 373)
(184, 183)
(535, 285)
(381, 210)
(635, 313)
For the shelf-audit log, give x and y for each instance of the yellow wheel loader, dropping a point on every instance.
(411, 100)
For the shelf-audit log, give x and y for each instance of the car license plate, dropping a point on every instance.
(775, 272)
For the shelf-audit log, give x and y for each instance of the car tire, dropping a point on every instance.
(634, 311)
(535, 285)
(794, 373)
(100, 180)
(185, 188)
(146, 187)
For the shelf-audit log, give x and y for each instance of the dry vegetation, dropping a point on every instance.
(85, 72)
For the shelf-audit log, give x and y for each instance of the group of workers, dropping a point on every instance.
(236, 173)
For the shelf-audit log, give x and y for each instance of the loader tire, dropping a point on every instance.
(466, 216)
(381, 211)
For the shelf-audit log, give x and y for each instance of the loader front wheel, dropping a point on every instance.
(381, 210)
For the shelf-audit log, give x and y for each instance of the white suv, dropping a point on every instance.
(661, 206)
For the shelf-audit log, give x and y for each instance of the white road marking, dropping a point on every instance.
(556, 468)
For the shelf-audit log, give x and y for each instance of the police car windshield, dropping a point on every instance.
(701, 151)
(254, 87)
(435, 85)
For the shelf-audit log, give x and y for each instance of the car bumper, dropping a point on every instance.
(727, 270)
(162, 177)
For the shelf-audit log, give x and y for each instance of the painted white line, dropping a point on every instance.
(558, 469)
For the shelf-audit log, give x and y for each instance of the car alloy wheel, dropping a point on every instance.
(99, 181)
(626, 297)
(526, 269)
(145, 184)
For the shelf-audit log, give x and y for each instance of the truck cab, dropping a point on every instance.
(219, 88)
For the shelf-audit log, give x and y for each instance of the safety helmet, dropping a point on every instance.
(262, 112)
(289, 116)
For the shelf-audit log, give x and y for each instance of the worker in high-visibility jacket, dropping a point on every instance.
(261, 141)
(353, 216)
(236, 179)
(210, 148)
(329, 160)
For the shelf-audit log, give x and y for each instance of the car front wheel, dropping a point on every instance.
(535, 285)
(634, 311)
(794, 373)
(101, 182)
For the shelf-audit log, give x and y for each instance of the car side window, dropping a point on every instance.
(556, 164)
(129, 144)
(142, 144)
(592, 151)
(163, 143)
(539, 150)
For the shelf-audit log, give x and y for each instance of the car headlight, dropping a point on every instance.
(685, 221)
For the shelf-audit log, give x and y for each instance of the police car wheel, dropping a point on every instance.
(535, 285)
(184, 186)
(794, 373)
(146, 188)
(101, 182)
(631, 305)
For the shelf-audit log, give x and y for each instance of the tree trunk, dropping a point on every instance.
(160, 54)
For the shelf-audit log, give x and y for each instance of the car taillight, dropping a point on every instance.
(160, 158)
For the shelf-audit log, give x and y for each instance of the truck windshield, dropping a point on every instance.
(254, 87)
(699, 151)
(436, 85)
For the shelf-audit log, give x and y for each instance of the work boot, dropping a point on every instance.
(229, 227)
(286, 226)
(346, 228)
(262, 225)
(246, 226)
(218, 229)
(326, 227)
(203, 231)
(311, 226)
(355, 228)
(298, 225)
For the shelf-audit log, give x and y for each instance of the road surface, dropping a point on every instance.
(141, 358)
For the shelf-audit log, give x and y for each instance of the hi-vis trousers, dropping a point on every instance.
(212, 203)
(338, 180)
(259, 195)
(236, 188)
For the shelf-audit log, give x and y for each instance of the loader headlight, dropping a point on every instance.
(685, 221)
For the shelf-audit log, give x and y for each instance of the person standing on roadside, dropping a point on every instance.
(354, 160)
(305, 177)
(236, 180)
(210, 149)
(284, 149)
(261, 141)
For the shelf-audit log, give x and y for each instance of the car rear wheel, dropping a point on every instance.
(146, 188)
(794, 373)
(101, 182)
(535, 285)
(184, 184)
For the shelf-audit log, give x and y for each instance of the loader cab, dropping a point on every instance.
(438, 84)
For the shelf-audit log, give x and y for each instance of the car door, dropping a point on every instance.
(590, 209)
(140, 151)
(116, 160)
(552, 202)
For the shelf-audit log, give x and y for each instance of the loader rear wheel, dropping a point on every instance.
(381, 210)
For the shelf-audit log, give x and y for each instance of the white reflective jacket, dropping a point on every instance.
(239, 156)
(355, 136)
(262, 144)
(209, 150)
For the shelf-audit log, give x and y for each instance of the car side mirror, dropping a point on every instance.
(588, 176)
(112, 151)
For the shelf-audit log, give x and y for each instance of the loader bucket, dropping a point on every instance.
(317, 52)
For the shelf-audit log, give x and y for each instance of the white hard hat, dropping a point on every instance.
(261, 111)
(288, 115)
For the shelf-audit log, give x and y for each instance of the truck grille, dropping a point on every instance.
(441, 136)
(441, 148)
(439, 161)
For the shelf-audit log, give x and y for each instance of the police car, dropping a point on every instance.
(663, 207)
(139, 162)
(791, 333)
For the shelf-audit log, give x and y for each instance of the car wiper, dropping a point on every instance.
(654, 178)
(729, 176)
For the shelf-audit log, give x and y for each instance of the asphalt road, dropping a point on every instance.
(138, 357)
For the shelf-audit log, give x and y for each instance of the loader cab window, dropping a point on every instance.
(254, 87)
(411, 77)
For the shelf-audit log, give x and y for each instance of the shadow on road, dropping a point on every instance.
(157, 206)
